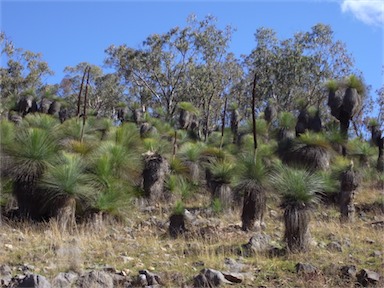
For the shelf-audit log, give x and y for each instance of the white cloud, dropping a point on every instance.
(370, 12)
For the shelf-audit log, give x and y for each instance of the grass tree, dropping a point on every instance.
(345, 100)
(222, 172)
(64, 185)
(188, 115)
(190, 154)
(299, 191)
(30, 154)
(309, 150)
(377, 140)
(251, 189)
(348, 184)
(286, 126)
(116, 171)
(177, 220)
(362, 150)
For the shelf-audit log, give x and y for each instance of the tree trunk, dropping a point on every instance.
(380, 159)
(65, 213)
(254, 205)
(184, 119)
(176, 225)
(155, 170)
(347, 193)
(223, 192)
(27, 200)
(296, 221)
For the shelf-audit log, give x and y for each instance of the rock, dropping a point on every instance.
(234, 266)
(95, 279)
(151, 278)
(376, 253)
(304, 268)
(348, 271)
(34, 281)
(5, 275)
(64, 280)
(233, 277)
(334, 246)
(277, 252)
(369, 241)
(209, 278)
(9, 246)
(259, 242)
(367, 277)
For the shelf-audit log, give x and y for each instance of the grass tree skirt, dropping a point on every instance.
(254, 205)
(224, 194)
(296, 220)
(156, 168)
(348, 186)
(307, 156)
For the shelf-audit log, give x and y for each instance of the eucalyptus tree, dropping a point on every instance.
(297, 66)
(23, 70)
(155, 72)
(184, 64)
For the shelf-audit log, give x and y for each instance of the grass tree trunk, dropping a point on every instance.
(223, 193)
(254, 205)
(296, 221)
(155, 171)
(27, 200)
(65, 213)
(235, 124)
(380, 159)
(176, 225)
(349, 184)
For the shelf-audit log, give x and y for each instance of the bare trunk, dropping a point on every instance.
(254, 205)
(347, 193)
(155, 170)
(176, 225)
(223, 192)
(296, 220)
(65, 214)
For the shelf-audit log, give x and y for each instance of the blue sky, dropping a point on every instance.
(70, 32)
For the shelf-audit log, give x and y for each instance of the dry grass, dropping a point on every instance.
(143, 243)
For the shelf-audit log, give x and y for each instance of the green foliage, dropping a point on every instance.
(373, 122)
(331, 183)
(177, 166)
(7, 133)
(128, 136)
(42, 121)
(179, 208)
(67, 177)
(247, 169)
(222, 170)
(187, 106)
(310, 138)
(355, 82)
(339, 164)
(178, 185)
(160, 146)
(360, 148)
(332, 85)
(333, 134)
(286, 120)
(31, 153)
(297, 187)
(191, 151)
(116, 200)
(217, 206)
(261, 126)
